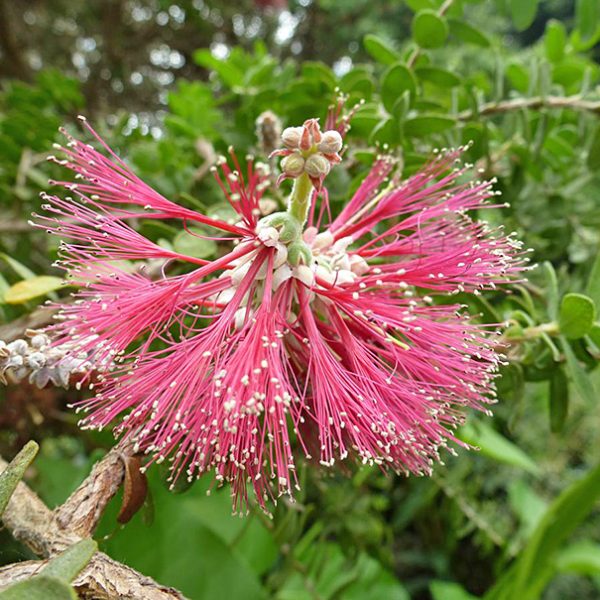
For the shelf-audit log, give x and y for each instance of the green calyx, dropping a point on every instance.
(299, 253)
(288, 226)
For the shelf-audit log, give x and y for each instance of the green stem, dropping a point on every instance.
(299, 201)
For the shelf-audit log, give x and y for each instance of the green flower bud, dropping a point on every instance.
(317, 166)
(293, 165)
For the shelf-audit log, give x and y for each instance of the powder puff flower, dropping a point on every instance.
(331, 340)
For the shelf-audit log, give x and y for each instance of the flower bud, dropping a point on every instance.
(293, 165)
(269, 236)
(331, 143)
(268, 131)
(291, 137)
(304, 274)
(317, 166)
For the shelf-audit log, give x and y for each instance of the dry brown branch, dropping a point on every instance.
(38, 319)
(48, 532)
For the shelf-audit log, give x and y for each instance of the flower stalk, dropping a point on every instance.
(299, 201)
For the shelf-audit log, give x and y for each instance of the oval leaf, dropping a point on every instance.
(576, 316)
(586, 18)
(427, 124)
(380, 50)
(555, 40)
(26, 290)
(429, 30)
(438, 76)
(523, 12)
(395, 82)
(468, 34)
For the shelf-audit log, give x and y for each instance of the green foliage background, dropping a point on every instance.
(172, 85)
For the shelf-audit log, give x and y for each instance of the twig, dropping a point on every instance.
(48, 532)
(504, 106)
(38, 319)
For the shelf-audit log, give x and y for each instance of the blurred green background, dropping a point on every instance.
(170, 85)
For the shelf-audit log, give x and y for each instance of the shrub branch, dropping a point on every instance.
(48, 532)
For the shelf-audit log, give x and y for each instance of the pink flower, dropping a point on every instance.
(330, 340)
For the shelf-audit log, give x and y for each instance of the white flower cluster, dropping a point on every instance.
(39, 362)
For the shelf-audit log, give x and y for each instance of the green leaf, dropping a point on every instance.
(427, 124)
(26, 290)
(528, 576)
(496, 446)
(448, 590)
(417, 5)
(529, 506)
(231, 75)
(586, 18)
(20, 269)
(69, 563)
(467, 33)
(555, 40)
(559, 400)
(580, 557)
(576, 316)
(429, 30)
(236, 552)
(3, 288)
(593, 155)
(187, 242)
(10, 477)
(439, 77)
(581, 380)
(39, 588)
(396, 80)
(386, 132)
(551, 290)
(380, 50)
(523, 13)
(560, 520)
(593, 283)
(518, 77)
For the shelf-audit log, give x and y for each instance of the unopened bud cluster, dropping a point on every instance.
(309, 150)
(39, 362)
(268, 131)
